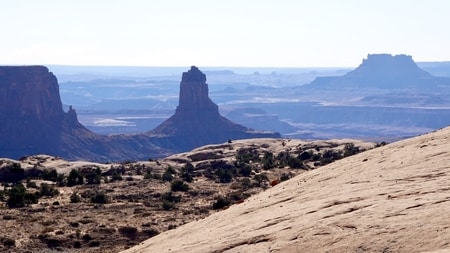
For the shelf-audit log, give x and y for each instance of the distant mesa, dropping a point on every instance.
(197, 121)
(383, 71)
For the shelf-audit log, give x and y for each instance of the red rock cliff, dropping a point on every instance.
(29, 91)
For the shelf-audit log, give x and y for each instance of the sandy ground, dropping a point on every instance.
(394, 198)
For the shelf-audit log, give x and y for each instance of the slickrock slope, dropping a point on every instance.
(140, 197)
(197, 121)
(394, 198)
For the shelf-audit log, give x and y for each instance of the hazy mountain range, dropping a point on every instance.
(386, 97)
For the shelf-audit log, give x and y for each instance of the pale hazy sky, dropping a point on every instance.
(275, 33)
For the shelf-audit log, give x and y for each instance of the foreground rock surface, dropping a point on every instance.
(139, 200)
(390, 199)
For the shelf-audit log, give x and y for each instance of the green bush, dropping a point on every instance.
(77, 244)
(150, 232)
(47, 190)
(8, 242)
(50, 175)
(94, 243)
(187, 172)
(169, 200)
(31, 184)
(294, 163)
(168, 196)
(245, 155)
(75, 198)
(329, 156)
(100, 198)
(128, 230)
(19, 197)
(260, 179)
(284, 177)
(86, 237)
(171, 170)
(179, 185)
(75, 178)
(246, 183)
(168, 174)
(17, 173)
(283, 158)
(116, 176)
(221, 202)
(167, 205)
(148, 175)
(245, 170)
(225, 175)
(305, 156)
(268, 160)
(350, 149)
(94, 177)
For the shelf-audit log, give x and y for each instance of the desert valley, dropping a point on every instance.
(199, 182)
(275, 126)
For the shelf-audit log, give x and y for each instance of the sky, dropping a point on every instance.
(245, 33)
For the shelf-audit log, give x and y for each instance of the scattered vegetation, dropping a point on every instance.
(164, 194)
(18, 196)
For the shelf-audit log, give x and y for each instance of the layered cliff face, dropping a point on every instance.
(29, 91)
(31, 111)
(197, 121)
(33, 122)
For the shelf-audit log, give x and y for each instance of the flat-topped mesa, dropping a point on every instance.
(29, 91)
(194, 94)
(383, 71)
(389, 66)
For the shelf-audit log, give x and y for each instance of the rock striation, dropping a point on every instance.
(197, 120)
(34, 122)
(383, 71)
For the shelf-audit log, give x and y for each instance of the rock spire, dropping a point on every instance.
(197, 121)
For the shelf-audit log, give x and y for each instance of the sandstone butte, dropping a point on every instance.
(197, 120)
(394, 198)
(34, 122)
